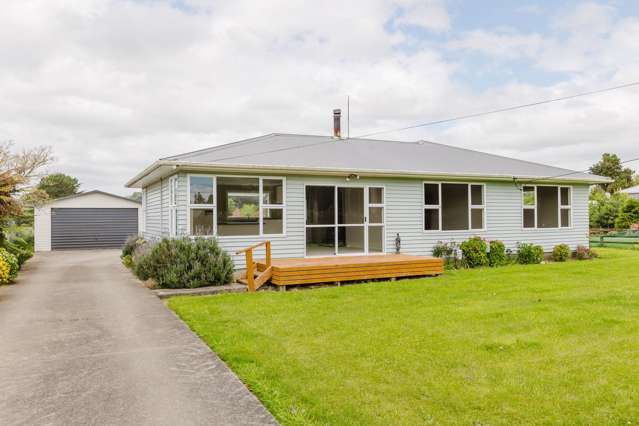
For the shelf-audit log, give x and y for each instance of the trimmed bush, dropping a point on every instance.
(185, 263)
(497, 254)
(585, 253)
(5, 272)
(474, 252)
(12, 261)
(561, 253)
(529, 254)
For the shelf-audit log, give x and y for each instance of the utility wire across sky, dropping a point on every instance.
(465, 117)
(495, 111)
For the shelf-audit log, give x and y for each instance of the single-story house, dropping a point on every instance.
(633, 192)
(88, 220)
(325, 196)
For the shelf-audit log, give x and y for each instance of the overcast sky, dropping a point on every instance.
(115, 85)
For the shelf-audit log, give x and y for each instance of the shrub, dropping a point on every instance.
(560, 253)
(20, 249)
(127, 261)
(529, 254)
(131, 243)
(497, 254)
(585, 253)
(474, 252)
(12, 261)
(5, 272)
(448, 252)
(185, 263)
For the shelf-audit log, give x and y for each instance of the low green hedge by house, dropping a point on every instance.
(180, 262)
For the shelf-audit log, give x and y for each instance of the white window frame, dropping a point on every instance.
(261, 206)
(368, 223)
(173, 190)
(272, 206)
(438, 207)
(191, 206)
(560, 207)
(566, 207)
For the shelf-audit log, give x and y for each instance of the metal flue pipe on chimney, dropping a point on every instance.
(337, 123)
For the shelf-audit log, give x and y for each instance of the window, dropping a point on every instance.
(201, 205)
(453, 207)
(376, 220)
(546, 206)
(236, 206)
(565, 205)
(272, 206)
(173, 189)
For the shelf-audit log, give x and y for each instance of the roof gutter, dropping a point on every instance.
(362, 172)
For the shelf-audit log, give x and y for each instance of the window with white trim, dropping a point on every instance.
(546, 206)
(454, 206)
(236, 205)
(201, 205)
(173, 188)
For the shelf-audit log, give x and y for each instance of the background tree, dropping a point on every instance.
(604, 208)
(17, 170)
(628, 215)
(610, 166)
(58, 185)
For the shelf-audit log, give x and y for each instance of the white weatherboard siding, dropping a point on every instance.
(404, 215)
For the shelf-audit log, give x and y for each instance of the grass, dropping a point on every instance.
(538, 344)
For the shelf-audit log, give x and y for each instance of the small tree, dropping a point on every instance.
(604, 208)
(58, 185)
(610, 166)
(16, 173)
(629, 214)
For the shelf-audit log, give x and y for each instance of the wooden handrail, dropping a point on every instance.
(254, 246)
(256, 282)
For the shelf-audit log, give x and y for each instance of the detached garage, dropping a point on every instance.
(88, 220)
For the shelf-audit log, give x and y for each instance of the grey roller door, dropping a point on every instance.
(92, 227)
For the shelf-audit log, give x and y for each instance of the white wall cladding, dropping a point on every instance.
(404, 215)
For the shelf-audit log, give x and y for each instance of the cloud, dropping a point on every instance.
(113, 85)
(428, 14)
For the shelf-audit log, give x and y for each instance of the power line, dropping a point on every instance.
(448, 120)
(495, 111)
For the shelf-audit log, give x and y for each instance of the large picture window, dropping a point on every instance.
(545, 206)
(453, 206)
(236, 205)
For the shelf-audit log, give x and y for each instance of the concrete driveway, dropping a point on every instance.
(81, 342)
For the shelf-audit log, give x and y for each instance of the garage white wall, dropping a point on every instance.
(42, 219)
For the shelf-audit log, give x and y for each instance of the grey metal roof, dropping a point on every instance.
(631, 190)
(327, 153)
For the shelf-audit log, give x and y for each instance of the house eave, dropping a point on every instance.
(162, 168)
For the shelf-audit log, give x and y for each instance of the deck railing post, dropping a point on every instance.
(268, 254)
(250, 275)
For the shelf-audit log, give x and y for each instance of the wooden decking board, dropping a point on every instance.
(350, 268)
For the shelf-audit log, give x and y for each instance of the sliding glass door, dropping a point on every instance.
(337, 221)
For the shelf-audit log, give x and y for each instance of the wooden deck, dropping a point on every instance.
(350, 268)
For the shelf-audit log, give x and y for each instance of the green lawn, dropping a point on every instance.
(542, 344)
